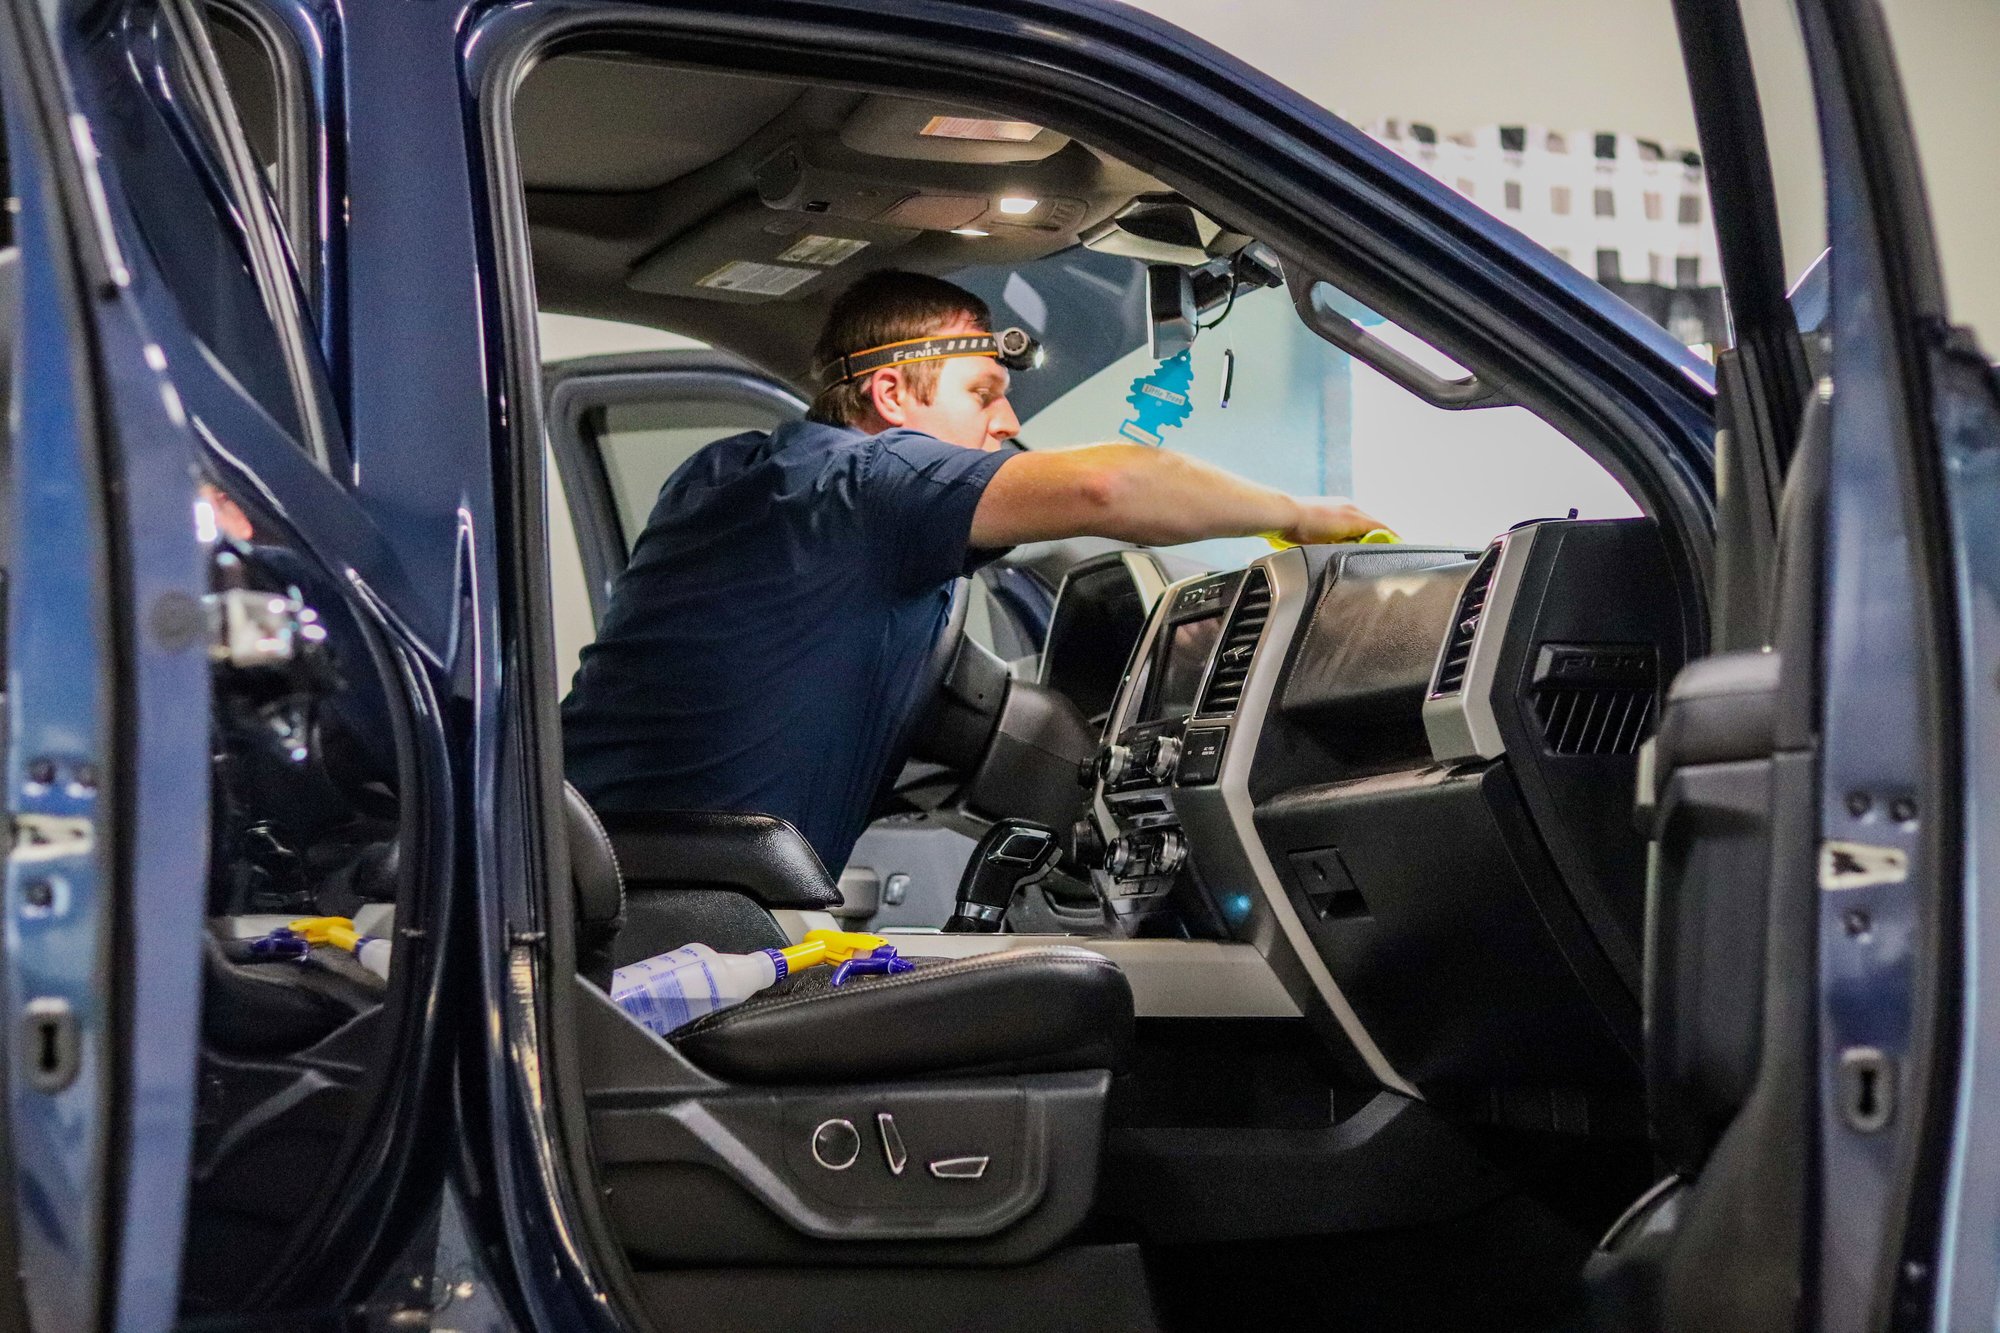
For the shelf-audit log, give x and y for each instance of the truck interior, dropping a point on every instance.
(1363, 989)
(1356, 833)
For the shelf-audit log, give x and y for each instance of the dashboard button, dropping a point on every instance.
(1201, 756)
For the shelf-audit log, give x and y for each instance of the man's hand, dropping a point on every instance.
(1329, 519)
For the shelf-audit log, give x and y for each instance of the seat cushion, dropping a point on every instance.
(1040, 1010)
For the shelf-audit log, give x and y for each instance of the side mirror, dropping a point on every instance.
(1170, 309)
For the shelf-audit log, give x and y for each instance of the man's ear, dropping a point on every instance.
(889, 395)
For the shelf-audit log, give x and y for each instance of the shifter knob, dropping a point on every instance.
(1013, 852)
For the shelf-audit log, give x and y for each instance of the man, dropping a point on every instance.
(761, 649)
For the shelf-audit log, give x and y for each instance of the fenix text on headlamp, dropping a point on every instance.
(1016, 349)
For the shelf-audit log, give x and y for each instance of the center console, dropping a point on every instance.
(1168, 732)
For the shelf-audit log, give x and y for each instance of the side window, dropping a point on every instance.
(643, 443)
(207, 218)
(260, 64)
(1305, 417)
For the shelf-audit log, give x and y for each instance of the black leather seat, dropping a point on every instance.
(1021, 1011)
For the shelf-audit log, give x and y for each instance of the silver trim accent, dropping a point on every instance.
(892, 1143)
(1224, 839)
(979, 911)
(825, 1125)
(87, 158)
(960, 1168)
(1463, 725)
(1146, 577)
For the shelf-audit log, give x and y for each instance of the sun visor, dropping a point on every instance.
(748, 254)
(940, 132)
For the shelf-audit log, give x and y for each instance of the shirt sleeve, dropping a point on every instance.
(920, 495)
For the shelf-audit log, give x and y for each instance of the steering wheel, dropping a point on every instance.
(956, 705)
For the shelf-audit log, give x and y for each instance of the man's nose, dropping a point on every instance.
(1004, 425)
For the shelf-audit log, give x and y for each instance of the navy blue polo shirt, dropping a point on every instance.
(761, 649)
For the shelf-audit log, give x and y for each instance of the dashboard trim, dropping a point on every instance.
(1463, 725)
(1226, 813)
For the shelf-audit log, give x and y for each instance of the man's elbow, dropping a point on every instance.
(1104, 489)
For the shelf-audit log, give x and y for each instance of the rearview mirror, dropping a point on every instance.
(1170, 310)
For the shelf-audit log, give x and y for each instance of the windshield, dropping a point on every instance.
(1301, 415)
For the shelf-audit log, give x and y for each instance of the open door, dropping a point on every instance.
(223, 722)
(106, 752)
(1804, 793)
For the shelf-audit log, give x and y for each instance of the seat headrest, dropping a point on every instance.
(593, 869)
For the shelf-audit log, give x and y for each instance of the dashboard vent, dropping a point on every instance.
(1239, 645)
(1595, 698)
(1465, 624)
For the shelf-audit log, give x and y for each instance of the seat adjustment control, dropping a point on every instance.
(836, 1144)
(892, 1143)
(960, 1168)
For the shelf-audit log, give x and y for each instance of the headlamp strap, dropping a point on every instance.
(1012, 347)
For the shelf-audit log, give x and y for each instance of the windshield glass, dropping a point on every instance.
(1301, 415)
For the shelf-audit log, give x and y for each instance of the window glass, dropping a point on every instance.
(1945, 51)
(1308, 419)
(237, 296)
(261, 67)
(1571, 123)
(643, 443)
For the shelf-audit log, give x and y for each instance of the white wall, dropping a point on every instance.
(1615, 64)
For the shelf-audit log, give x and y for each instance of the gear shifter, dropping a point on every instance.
(1013, 852)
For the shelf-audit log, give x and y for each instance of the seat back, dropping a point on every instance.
(599, 886)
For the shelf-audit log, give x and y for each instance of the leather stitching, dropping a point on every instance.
(611, 850)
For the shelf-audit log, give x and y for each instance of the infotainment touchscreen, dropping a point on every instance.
(1187, 657)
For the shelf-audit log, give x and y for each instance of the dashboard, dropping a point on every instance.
(1404, 774)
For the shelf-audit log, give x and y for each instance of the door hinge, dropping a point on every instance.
(51, 837)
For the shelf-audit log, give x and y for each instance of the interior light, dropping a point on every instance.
(1015, 205)
(969, 231)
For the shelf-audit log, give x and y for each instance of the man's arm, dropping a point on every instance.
(1151, 497)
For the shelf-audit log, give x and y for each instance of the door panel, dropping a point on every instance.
(106, 765)
(279, 742)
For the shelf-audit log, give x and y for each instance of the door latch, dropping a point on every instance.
(1867, 1089)
(51, 837)
(52, 1051)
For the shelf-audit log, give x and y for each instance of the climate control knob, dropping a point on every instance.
(1166, 755)
(1171, 854)
(1114, 764)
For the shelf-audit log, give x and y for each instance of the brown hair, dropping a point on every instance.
(885, 307)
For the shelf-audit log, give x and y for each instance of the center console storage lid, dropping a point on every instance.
(759, 855)
(1022, 1011)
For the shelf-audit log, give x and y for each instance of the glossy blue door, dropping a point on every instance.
(105, 758)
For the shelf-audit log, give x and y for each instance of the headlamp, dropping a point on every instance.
(1016, 349)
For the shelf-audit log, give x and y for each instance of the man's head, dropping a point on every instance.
(960, 399)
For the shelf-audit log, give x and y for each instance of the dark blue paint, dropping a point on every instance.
(1968, 428)
(411, 320)
(60, 664)
(1881, 695)
(167, 823)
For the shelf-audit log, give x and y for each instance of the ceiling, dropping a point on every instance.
(733, 209)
